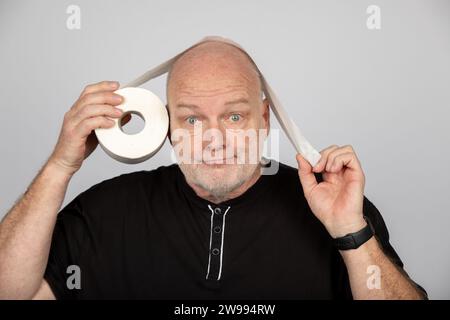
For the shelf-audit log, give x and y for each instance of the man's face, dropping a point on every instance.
(215, 105)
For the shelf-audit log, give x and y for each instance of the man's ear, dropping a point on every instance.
(266, 114)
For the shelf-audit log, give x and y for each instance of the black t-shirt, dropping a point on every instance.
(148, 235)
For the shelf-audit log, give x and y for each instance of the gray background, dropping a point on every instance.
(386, 92)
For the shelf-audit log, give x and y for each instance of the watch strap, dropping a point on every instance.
(356, 239)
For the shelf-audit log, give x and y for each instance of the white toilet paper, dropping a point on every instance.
(135, 148)
(115, 136)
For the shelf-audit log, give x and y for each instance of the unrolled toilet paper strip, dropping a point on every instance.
(292, 131)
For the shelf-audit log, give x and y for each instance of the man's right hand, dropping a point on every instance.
(92, 110)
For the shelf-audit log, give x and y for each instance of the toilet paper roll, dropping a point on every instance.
(135, 148)
(292, 131)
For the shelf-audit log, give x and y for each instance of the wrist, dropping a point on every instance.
(342, 230)
(55, 169)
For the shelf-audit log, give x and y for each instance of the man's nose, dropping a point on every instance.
(215, 135)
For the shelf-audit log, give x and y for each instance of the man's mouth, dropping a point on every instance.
(219, 161)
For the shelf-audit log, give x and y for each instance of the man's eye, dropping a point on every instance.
(192, 120)
(235, 117)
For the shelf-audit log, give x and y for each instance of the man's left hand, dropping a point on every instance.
(337, 201)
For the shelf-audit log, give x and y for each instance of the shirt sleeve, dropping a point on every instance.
(67, 241)
(382, 234)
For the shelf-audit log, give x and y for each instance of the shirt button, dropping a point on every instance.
(217, 229)
(217, 211)
(215, 251)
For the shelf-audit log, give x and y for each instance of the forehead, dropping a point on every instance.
(212, 69)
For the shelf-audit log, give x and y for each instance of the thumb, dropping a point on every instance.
(307, 177)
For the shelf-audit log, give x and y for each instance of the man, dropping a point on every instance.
(208, 230)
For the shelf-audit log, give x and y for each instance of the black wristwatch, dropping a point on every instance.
(356, 239)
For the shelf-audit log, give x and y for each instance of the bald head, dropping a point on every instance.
(211, 66)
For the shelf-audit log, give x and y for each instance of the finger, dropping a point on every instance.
(339, 161)
(307, 177)
(323, 159)
(100, 86)
(86, 126)
(96, 110)
(102, 97)
(331, 157)
(334, 166)
(346, 159)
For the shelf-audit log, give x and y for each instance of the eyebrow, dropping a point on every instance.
(188, 106)
(193, 106)
(237, 101)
